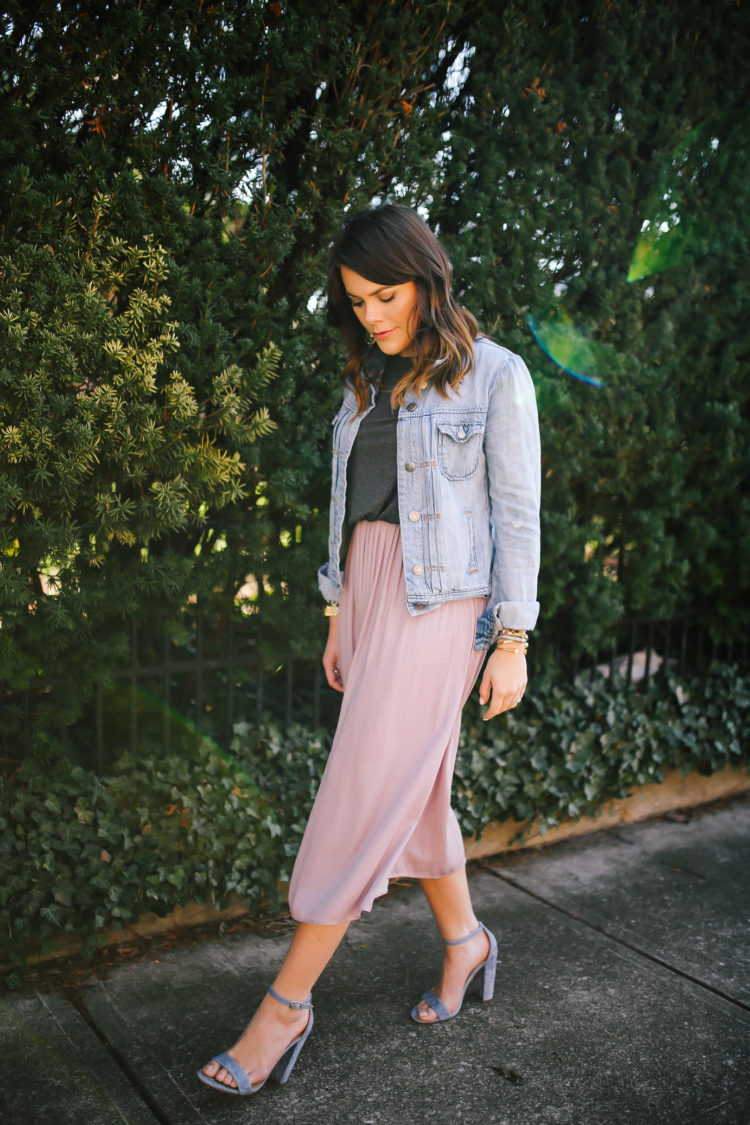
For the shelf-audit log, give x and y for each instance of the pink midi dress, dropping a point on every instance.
(383, 806)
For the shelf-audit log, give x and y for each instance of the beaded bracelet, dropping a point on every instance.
(331, 609)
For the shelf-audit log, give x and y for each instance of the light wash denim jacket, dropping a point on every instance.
(468, 492)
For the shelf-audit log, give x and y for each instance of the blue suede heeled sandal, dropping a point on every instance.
(482, 977)
(282, 1068)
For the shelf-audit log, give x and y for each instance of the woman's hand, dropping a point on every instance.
(331, 656)
(503, 682)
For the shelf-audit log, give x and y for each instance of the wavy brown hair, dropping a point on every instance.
(390, 245)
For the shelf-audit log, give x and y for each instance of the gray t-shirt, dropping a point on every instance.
(371, 491)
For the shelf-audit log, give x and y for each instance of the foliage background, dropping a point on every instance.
(174, 176)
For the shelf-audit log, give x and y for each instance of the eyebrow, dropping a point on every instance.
(374, 293)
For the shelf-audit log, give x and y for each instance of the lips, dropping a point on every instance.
(381, 335)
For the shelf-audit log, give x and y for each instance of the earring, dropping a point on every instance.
(370, 338)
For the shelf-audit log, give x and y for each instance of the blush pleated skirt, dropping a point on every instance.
(383, 806)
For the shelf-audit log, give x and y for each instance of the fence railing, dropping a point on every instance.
(640, 646)
(214, 675)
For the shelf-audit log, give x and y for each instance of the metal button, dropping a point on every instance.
(516, 523)
(412, 406)
(410, 466)
(462, 433)
(414, 517)
(420, 605)
(419, 569)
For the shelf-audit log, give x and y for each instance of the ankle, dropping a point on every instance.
(280, 1013)
(462, 934)
(290, 1002)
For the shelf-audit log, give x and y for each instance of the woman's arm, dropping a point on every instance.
(331, 656)
(513, 458)
(512, 450)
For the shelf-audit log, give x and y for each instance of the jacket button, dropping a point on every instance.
(414, 517)
(419, 569)
(462, 433)
(420, 605)
(412, 406)
(410, 466)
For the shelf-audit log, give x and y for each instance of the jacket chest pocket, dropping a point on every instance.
(459, 448)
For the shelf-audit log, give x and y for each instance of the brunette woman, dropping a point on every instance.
(433, 558)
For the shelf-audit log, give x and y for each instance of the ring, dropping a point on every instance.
(517, 700)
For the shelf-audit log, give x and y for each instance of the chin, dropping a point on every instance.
(393, 347)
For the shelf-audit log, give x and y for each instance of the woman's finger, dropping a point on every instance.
(333, 673)
(496, 707)
(501, 703)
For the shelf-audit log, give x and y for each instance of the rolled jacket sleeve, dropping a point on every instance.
(329, 589)
(513, 456)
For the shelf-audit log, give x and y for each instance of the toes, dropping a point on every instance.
(219, 1074)
(425, 1012)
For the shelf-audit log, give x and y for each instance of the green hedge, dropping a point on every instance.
(84, 853)
(166, 215)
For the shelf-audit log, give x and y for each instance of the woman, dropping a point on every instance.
(434, 507)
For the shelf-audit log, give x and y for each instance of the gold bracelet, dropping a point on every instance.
(504, 643)
(331, 609)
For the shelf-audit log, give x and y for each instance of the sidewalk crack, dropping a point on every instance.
(742, 1005)
(121, 1062)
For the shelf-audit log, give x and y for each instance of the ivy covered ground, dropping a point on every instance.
(84, 853)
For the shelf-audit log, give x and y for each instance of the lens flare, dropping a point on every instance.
(697, 207)
(568, 347)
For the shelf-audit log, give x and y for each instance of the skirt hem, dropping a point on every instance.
(381, 894)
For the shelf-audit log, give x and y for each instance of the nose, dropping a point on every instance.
(372, 315)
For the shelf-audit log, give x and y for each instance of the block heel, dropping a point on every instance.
(285, 1065)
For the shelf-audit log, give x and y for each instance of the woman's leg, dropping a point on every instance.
(450, 902)
(274, 1025)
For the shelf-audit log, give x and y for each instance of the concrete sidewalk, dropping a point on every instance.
(623, 996)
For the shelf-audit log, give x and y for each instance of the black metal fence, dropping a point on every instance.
(640, 646)
(211, 672)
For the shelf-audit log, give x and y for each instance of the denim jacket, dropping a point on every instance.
(468, 492)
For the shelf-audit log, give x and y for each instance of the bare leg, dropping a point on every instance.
(274, 1025)
(450, 902)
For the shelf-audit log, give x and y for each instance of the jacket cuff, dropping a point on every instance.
(509, 615)
(330, 590)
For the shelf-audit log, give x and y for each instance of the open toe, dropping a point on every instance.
(231, 1078)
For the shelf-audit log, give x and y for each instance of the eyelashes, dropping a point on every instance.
(384, 300)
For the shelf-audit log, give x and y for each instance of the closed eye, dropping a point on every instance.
(383, 300)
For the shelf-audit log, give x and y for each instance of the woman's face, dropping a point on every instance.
(387, 311)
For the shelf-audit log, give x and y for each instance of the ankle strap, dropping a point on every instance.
(461, 940)
(298, 1005)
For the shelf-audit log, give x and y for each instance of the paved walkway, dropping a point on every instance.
(623, 997)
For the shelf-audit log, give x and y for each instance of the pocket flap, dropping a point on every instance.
(460, 431)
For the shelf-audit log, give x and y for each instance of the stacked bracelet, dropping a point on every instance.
(331, 609)
(509, 640)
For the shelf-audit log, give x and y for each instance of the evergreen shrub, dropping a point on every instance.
(175, 174)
